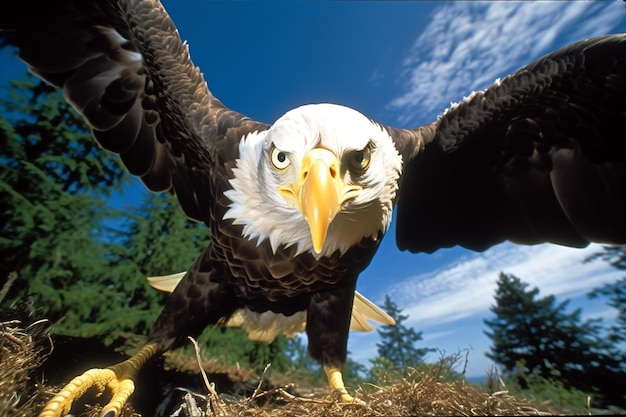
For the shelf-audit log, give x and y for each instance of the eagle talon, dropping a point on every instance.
(96, 378)
(349, 399)
(117, 378)
(335, 380)
(121, 389)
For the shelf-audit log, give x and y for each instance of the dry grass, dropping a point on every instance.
(33, 368)
(20, 354)
(420, 394)
(23, 354)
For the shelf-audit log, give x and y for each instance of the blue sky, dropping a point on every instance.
(402, 64)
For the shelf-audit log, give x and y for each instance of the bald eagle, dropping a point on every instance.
(298, 208)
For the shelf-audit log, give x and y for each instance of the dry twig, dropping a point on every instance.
(215, 402)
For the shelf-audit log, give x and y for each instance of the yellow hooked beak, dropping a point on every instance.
(319, 192)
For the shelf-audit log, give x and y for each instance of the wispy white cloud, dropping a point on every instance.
(466, 287)
(468, 45)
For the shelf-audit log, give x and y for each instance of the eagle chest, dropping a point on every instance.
(260, 276)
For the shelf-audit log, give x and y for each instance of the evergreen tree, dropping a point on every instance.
(302, 365)
(397, 345)
(53, 179)
(158, 237)
(48, 161)
(153, 239)
(550, 342)
(259, 354)
(354, 373)
(299, 355)
(615, 292)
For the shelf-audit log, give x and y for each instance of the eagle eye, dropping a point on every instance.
(360, 160)
(279, 159)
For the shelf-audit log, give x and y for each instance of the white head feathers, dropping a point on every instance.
(265, 214)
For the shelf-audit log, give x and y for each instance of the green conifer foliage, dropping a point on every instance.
(615, 292)
(538, 336)
(397, 350)
(53, 179)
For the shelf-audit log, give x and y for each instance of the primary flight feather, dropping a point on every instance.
(297, 209)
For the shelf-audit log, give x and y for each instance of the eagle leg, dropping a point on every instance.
(118, 378)
(328, 324)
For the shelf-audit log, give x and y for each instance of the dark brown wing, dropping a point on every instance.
(127, 71)
(537, 157)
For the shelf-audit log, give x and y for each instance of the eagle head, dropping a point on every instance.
(323, 177)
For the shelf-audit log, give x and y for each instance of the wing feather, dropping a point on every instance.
(123, 66)
(364, 310)
(537, 157)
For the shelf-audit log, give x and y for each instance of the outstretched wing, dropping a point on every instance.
(126, 70)
(538, 157)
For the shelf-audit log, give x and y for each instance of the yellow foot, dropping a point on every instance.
(335, 380)
(100, 379)
(118, 379)
(349, 399)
